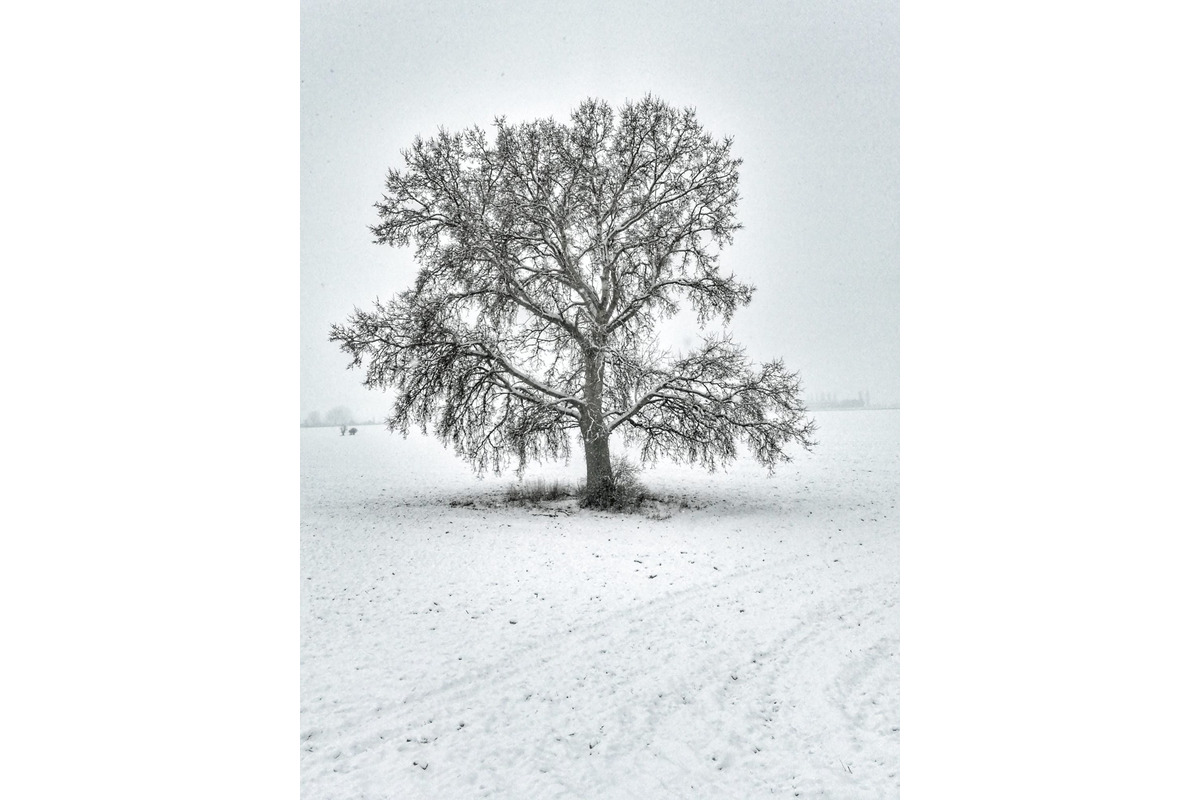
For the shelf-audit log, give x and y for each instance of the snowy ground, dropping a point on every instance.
(744, 646)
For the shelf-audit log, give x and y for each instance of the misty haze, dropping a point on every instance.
(599, 401)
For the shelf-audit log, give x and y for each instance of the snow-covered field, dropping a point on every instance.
(744, 646)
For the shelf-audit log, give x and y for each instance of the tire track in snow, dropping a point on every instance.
(576, 667)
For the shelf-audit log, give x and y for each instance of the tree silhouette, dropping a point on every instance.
(549, 255)
(339, 417)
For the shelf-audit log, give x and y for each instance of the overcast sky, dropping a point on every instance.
(809, 91)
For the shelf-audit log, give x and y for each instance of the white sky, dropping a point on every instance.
(808, 90)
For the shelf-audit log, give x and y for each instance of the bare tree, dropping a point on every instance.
(549, 255)
(339, 417)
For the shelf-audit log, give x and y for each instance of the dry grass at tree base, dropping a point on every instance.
(626, 494)
(541, 490)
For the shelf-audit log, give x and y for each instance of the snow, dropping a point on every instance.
(743, 643)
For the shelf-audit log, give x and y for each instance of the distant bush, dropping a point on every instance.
(353, 431)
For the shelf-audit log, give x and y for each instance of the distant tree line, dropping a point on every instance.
(340, 417)
(827, 400)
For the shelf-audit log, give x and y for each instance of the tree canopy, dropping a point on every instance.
(549, 255)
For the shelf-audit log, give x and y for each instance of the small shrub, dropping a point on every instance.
(353, 431)
(625, 493)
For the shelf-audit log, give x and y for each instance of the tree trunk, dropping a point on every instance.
(594, 430)
(599, 462)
